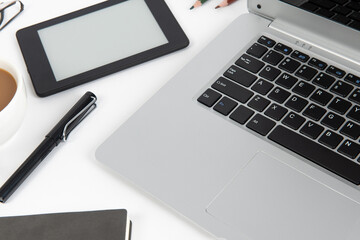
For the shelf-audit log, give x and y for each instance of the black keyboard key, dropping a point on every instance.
(240, 76)
(286, 80)
(355, 16)
(330, 139)
(257, 50)
(312, 130)
(293, 120)
(323, 3)
(350, 149)
(209, 97)
(306, 72)
(335, 71)
(279, 95)
(249, 63)
(289, 65)
(354, 5)
(339, 105)
(241, 114)
(341, 88)
(304, 89)
(270, 73)
(316, 153)
(351, 130)
(283, 48)
(333, 121)
(273, 57)
(225, 106)
(324, 80)
(317, 64)
(258, 103)
(296, 103)
(325, 13)
(262, 86)
(355, 24)
(300, 56)
(276, 112)
(340, 2)
(351, 78)
(232, 90)
(354, 114)
(309, 7)
(321, 97)
(341, 19)
(314, 112)
(261, 124)
(266, 41)
(355, 96)
(342, 10)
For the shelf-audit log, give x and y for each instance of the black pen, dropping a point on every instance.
(58, 134)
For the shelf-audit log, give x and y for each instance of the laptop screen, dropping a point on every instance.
(346, 12)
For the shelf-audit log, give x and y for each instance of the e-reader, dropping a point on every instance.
(97, 41)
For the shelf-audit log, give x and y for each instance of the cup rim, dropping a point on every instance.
(9, 67)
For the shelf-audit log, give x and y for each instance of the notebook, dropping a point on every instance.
(94, 225)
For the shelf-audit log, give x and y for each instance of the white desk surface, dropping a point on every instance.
(70, 178)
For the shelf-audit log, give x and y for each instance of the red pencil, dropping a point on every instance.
(225, 3)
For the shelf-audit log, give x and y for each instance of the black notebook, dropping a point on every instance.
(95, 225)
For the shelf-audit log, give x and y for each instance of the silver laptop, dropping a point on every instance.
(258, 136)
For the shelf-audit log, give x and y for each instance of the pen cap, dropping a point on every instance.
(73, 117)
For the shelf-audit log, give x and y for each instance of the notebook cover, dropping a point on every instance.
(95, 225)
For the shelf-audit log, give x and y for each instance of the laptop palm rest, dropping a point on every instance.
(308, 210)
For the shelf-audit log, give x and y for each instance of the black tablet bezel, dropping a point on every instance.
(39, 67)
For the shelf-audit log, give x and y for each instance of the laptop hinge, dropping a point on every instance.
(311, 39)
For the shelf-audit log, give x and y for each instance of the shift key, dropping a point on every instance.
(233, 90)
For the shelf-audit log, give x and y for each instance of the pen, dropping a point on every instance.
(58, 134)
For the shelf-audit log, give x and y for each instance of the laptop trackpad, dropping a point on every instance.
(270, 200)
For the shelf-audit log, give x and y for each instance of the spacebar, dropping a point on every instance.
(317, 153)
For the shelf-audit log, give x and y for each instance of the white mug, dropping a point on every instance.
(13, 114)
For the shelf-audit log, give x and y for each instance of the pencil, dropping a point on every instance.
(225, 3)
(198, 3)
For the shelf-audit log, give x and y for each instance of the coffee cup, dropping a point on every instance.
(12, 100)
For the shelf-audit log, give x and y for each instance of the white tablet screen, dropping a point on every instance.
(100, 38)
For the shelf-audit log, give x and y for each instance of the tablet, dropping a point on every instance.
(97, 41)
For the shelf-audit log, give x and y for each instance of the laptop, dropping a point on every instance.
(258, 136)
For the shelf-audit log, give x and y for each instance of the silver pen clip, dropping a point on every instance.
(78, 118)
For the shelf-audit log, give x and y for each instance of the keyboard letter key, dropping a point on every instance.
(349, 149)
(354, 114)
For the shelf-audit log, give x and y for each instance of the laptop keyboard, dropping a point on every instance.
(346, 12)
(297, 101)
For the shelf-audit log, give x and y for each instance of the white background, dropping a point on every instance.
(70, 178)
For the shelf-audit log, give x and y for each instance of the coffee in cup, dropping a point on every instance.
(12, 100)
(7, 88)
